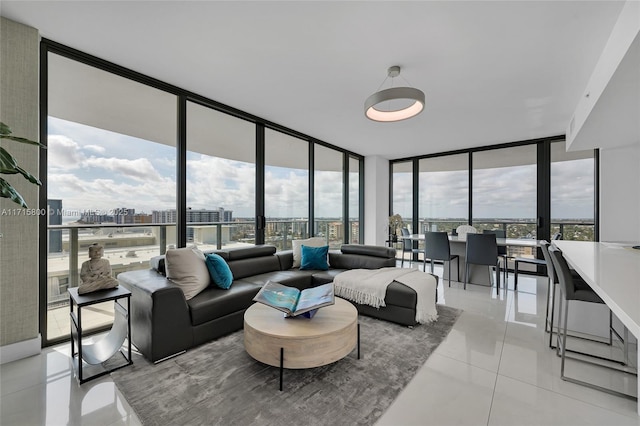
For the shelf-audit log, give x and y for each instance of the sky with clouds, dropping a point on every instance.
(502, 192)
(94, 169)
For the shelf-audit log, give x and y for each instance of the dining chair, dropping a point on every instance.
(502, 250)
(407, 247)
(436, 247)
(572, 289)
(482, 249)
(463, 230)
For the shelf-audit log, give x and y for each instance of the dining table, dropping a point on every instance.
(478, 274)
(612, 270)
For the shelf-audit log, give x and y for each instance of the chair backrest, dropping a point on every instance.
(436, 246)
(551, 273)
(482, 249)
(563, 272)
(454, 231)
(499, 233)
(556, 236)
(407, 244)
(463, 230)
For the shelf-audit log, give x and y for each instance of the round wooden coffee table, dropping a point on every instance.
(294, 343)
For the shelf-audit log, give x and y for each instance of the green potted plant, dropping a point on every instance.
(9, 166)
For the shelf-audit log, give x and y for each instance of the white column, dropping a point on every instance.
(376, 200)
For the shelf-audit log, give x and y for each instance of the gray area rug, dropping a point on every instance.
(219, 383)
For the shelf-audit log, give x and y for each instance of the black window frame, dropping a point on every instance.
(183, 96)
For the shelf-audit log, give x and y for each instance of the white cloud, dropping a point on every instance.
(140, 169)
(95, 148)
(63, 152)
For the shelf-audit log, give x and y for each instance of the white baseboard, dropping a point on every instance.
(19, 350)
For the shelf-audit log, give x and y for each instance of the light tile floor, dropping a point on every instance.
(494, 368)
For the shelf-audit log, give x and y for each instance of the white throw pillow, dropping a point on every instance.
(309, 242)
(186, 268)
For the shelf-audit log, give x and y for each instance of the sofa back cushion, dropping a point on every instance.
(377, 251)
(248, 261)
(356, 256)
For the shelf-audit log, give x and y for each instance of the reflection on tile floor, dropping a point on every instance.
(494, 368)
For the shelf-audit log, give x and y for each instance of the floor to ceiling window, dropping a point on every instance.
(572, 193)
(221, 179)
(286, 188)
(512, 186)
(354, 222)
(141, 166)
(443, 192)
(504, 190)
(111, 166)
(328, 195)
(402, 198)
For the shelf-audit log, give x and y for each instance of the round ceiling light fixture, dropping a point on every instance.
(396, 103)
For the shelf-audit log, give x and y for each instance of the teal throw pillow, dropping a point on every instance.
(219, 271)
(314, 258)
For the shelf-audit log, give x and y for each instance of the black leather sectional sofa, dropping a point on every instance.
(164, 323)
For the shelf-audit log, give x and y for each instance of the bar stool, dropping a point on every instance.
(573, 289)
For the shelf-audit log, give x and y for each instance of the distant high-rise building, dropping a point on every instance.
(199, 215)
(335, 230)
(55, 218)
(124, 215)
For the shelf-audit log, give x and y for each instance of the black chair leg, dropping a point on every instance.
(466, 275)
(449, 272)
(515, 273)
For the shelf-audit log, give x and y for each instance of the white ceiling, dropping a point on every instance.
(492, 71)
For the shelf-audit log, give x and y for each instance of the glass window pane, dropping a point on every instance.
(402, 182)
(111, 164)
(221, 176)
(354, 201)
(572, 193)
(505, 190)
(443, 192)
(286, 189)
(328, 191)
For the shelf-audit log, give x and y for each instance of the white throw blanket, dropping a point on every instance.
(368, 287)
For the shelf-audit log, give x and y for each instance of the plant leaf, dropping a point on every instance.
(7, 191)
(4, 129)
(28, 176)
(22, 140)
(8, 164)
(5, 133)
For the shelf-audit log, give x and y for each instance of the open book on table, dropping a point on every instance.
(294, 302)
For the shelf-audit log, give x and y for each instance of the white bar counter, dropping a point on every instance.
(613, 271)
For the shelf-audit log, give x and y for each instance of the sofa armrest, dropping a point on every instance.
(160, 319)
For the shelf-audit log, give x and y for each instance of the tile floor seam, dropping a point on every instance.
(504, 336)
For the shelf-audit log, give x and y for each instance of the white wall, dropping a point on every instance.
(376, 200)
(620, 194)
